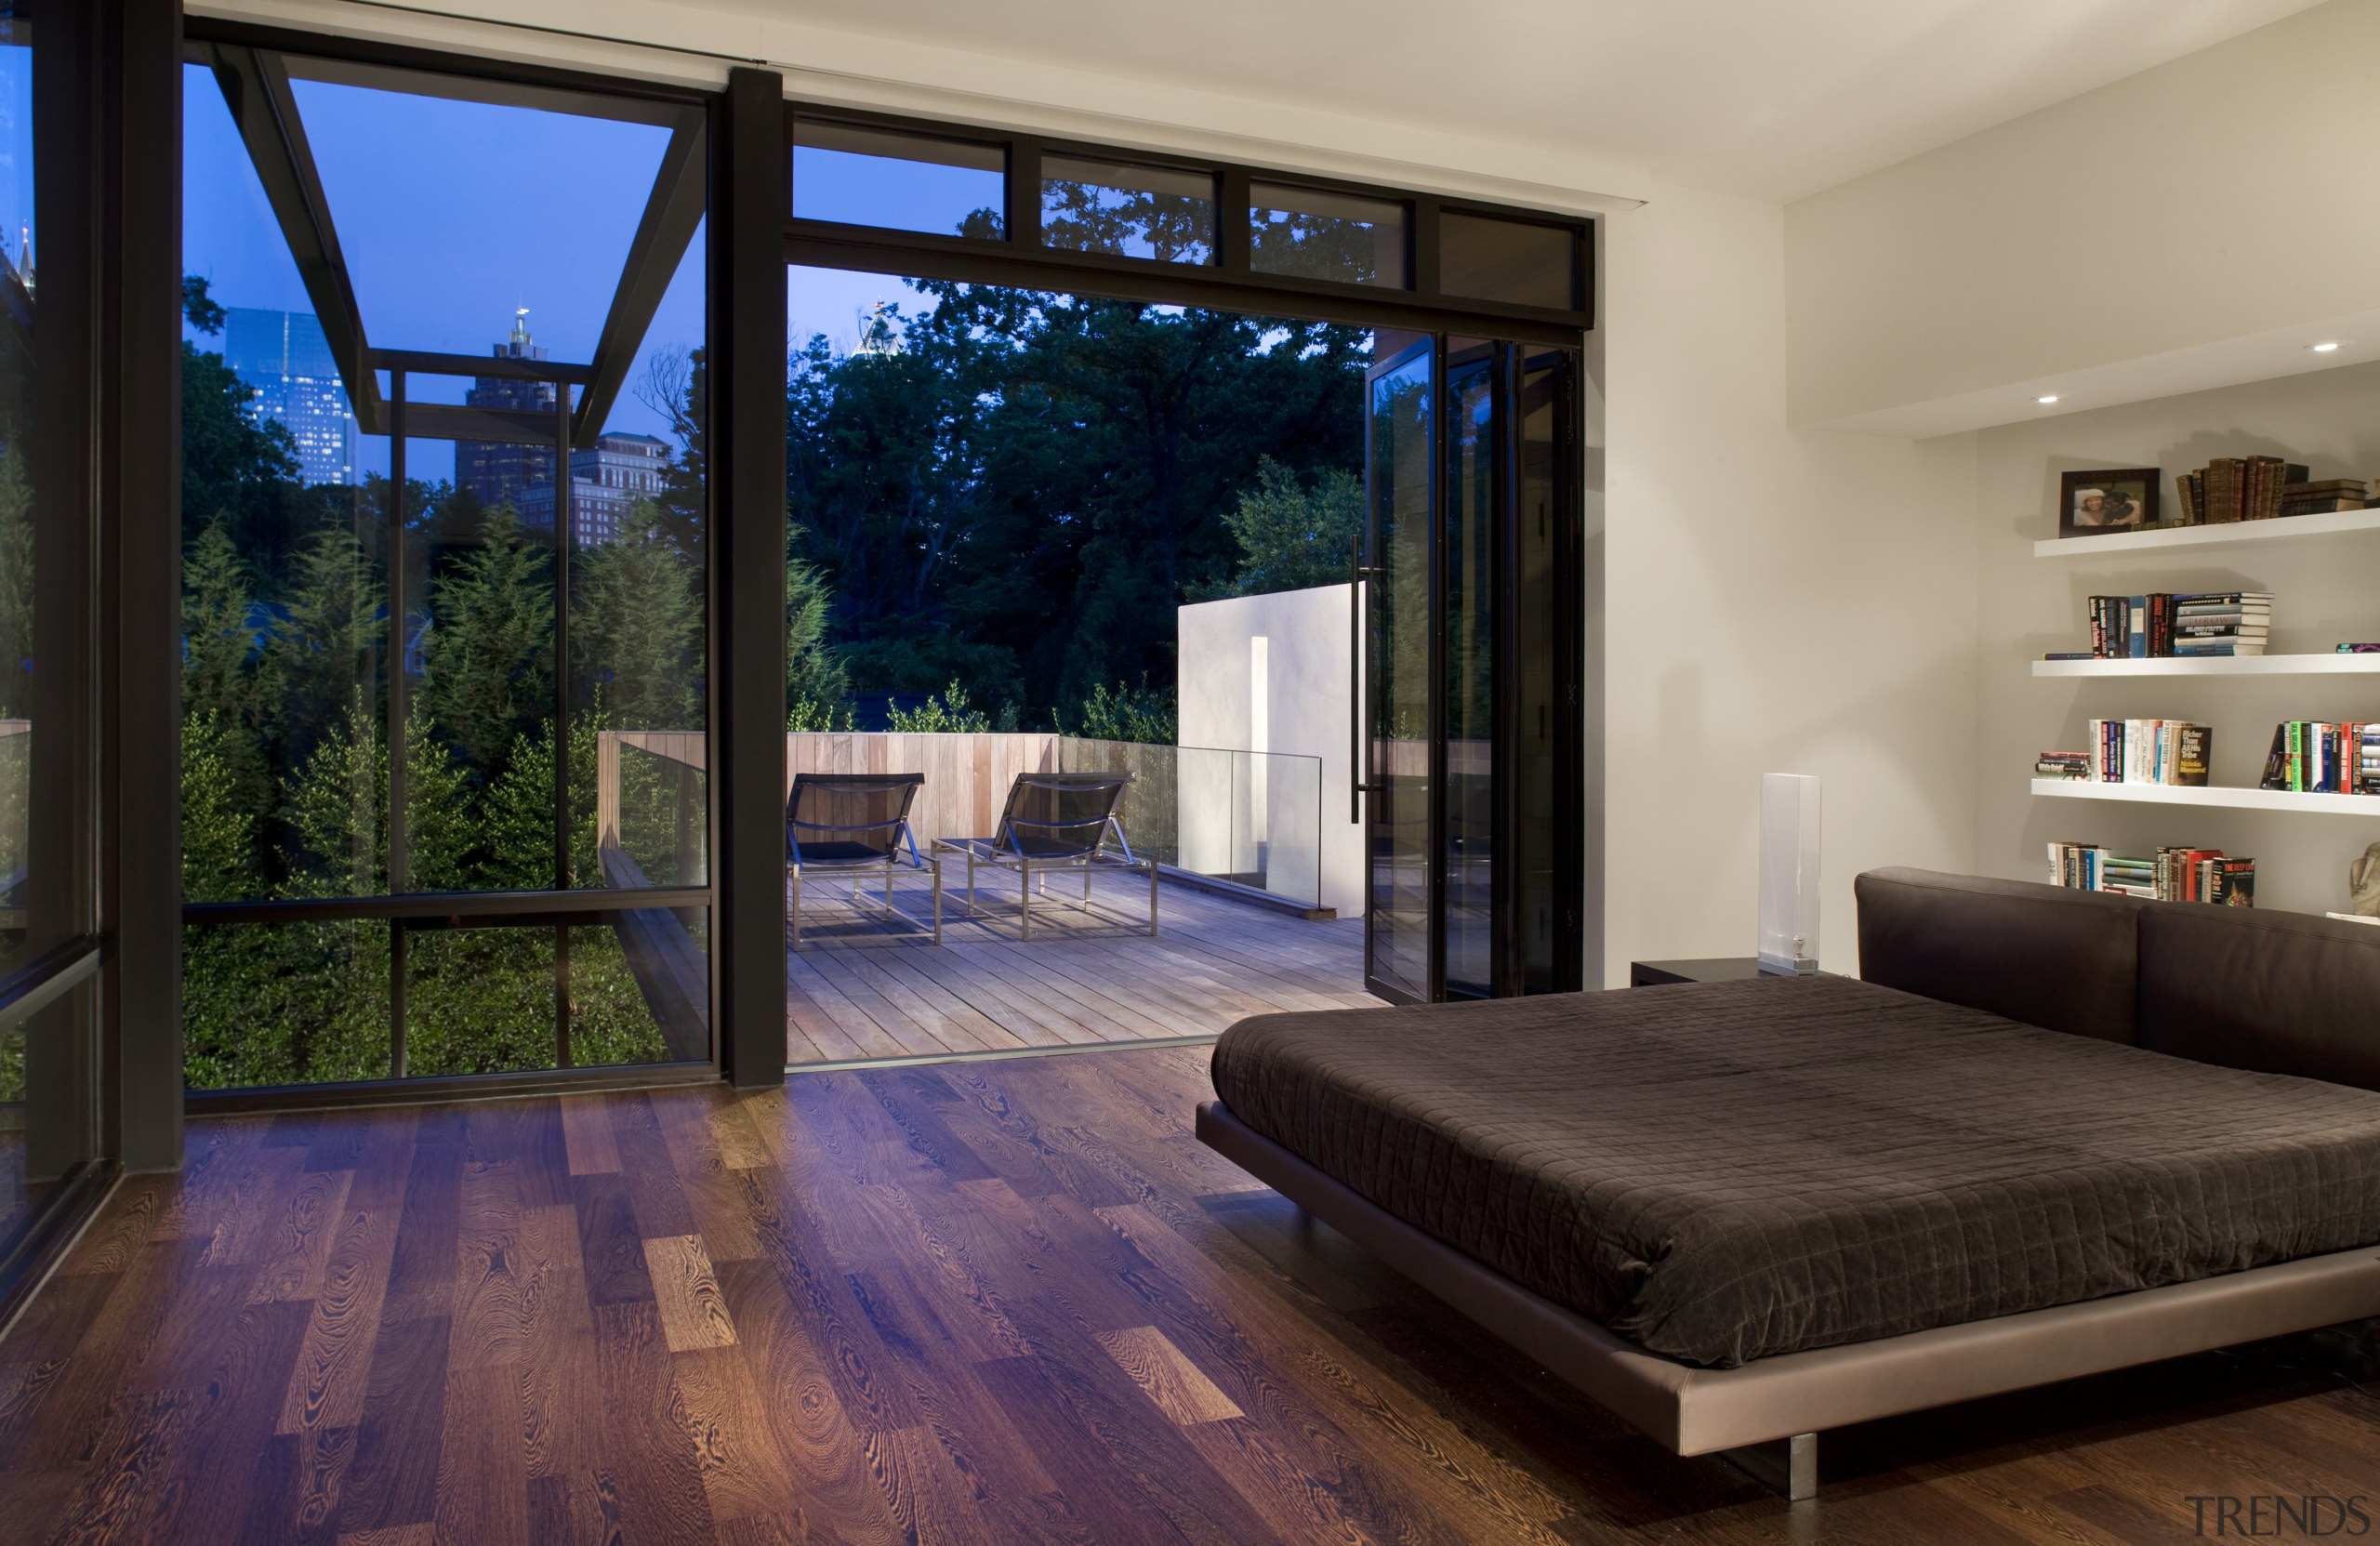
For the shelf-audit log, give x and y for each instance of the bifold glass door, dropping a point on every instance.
(1468, 600)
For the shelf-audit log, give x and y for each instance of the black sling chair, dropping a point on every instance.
(855, 824)
(1056, 821)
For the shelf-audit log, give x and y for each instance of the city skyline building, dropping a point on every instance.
(605, 479)
(294, 380)
(497, 472)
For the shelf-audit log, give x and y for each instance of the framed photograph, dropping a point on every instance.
(2090, 503)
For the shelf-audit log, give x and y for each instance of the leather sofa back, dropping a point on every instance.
(2278, 993)
(2049, 956)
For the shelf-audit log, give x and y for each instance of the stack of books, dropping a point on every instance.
(2151, 751)
(2174, 874)
(2161, 624)
(2222, 623)
(2317, 756)
(2330, 494)
(2077, 765)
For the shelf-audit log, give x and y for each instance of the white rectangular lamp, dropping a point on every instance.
(1789, 872)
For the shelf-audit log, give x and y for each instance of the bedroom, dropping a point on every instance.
(1850, 296)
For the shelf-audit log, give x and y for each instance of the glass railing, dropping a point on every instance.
(1253, 818)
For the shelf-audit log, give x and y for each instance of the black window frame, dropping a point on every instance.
(584, 906)
(1021, 259)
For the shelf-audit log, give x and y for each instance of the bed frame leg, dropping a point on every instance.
(1790, 1466)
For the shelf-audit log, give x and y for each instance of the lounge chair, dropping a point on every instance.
(1056, 821)
(855, 824)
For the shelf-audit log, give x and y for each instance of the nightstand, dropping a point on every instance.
(1715, 969)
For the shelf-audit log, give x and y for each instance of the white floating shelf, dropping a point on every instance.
(2217, 665)
(2229, 533)
(2213, 795)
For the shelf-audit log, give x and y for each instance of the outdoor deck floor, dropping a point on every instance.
(861, 987)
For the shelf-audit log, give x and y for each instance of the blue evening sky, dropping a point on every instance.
(16, 148)
(450, 214)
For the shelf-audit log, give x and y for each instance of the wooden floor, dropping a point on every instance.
(999, 1301)
(865, 986)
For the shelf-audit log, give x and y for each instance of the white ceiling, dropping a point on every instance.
(1772, 99)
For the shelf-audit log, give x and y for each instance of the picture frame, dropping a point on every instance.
(2119, 499)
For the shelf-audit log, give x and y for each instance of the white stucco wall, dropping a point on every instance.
(1269, 673)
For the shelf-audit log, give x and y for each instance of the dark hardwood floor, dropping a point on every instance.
(980, 1303)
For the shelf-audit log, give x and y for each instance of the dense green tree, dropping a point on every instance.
(1293, 533)
(488, 652)
(16, 585)
(1018, 489)
(636, 629)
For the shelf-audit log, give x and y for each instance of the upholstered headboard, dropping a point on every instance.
(2046, 955)
(2278, 993)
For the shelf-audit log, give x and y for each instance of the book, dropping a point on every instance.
(2194, 745)
(2174, 873)
(2358, 649)
(2323, 757)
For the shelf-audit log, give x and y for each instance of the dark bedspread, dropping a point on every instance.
(1722, 1171)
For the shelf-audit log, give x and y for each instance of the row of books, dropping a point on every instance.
(2173, 874)
(2189, 626)
(2322, 758)
(2137, 751)
(2261, 488)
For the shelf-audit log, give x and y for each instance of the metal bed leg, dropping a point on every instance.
(1790, 1466)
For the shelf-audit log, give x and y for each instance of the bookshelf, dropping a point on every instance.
(2229, 535)
(2217, 665)
(2220, 796)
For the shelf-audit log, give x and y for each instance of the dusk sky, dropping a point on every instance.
(452, 213)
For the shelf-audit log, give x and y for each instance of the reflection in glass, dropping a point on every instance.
(1470, 670)
(1539, 619)
(1307, 234)
(1398, 655)
(898, 182)
(1488, 259)
(1128, 211)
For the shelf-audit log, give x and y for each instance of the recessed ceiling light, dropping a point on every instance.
(2325, 348)
(2046, 399)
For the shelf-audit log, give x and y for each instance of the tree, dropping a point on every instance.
(488, 651)
(815, 681)
(1293, 533)
(636, 628)
(225, 684)
(235, 465)
(16, 585)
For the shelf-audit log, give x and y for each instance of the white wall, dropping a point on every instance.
(1777, 599)
(1303, 665)
(2221, 196)
(2323, 592)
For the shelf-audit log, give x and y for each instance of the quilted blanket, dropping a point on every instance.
(1726, 1171)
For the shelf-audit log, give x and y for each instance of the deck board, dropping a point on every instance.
(865, 986)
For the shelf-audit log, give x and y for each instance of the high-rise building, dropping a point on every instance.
(499, 472)
(294, 381)
(605, 479)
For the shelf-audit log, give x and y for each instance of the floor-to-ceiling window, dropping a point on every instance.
(445, 597)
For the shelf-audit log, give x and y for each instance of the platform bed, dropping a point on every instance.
(1790, 1398)
(1771, 1321)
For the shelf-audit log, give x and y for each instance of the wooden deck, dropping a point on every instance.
(861, 987)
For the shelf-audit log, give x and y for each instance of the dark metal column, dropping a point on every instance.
(141, 538)
(399, 702)
(751, 201)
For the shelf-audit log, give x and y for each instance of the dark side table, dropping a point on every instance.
(1715, 969)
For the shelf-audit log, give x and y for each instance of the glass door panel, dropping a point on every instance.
(1398, 917)
(1544, 735)
(1470, 546)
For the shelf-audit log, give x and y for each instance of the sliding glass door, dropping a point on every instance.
(1470, 600)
